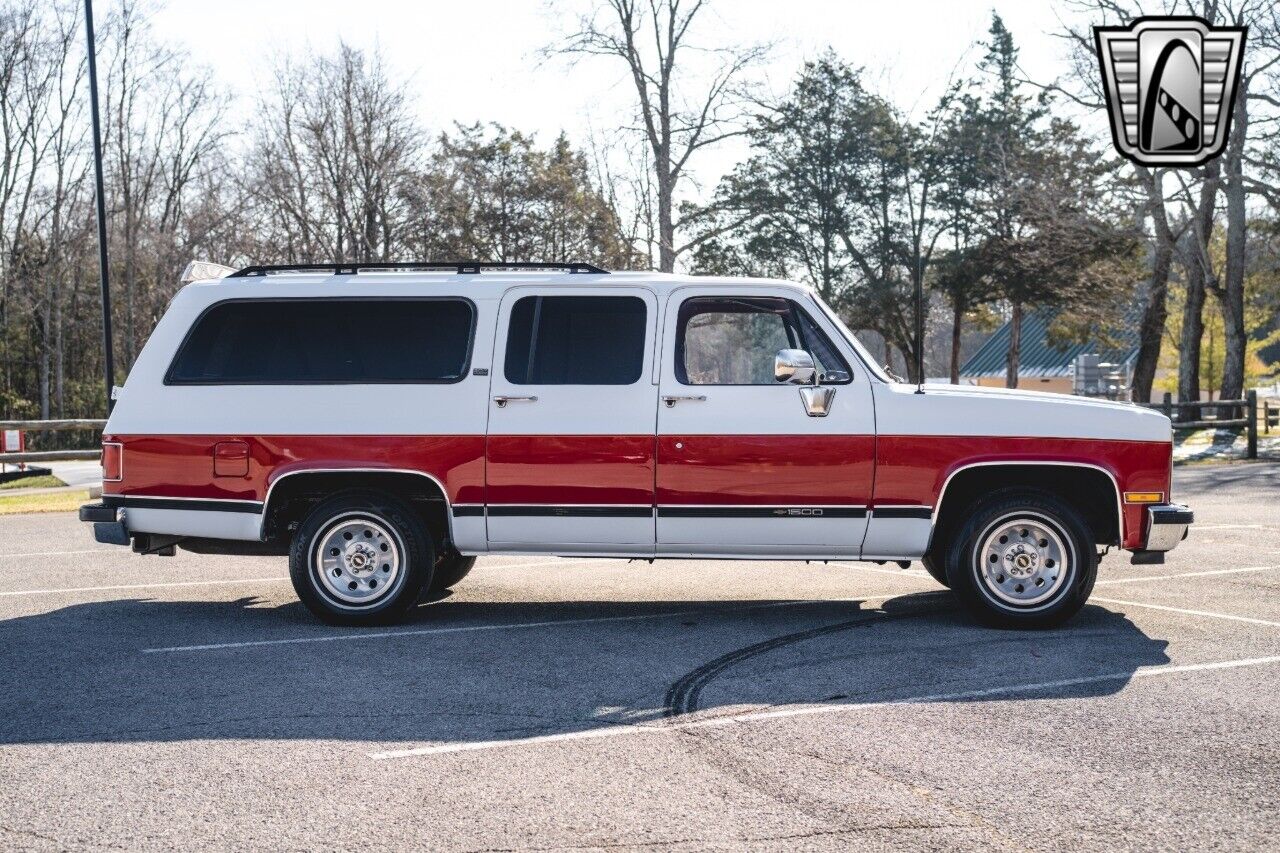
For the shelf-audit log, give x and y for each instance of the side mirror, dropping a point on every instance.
(794, 366)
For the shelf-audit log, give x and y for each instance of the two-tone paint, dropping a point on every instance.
(654, 468)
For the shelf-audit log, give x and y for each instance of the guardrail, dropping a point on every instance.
(1249, 406)
(53, 426)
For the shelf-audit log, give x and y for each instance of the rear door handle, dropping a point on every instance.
(676, 398)
(502, 400)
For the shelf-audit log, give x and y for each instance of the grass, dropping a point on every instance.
(36, 481)
(55, 502)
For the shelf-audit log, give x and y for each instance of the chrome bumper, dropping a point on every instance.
(1167, 526)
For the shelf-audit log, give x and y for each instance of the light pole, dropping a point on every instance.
(108, 354)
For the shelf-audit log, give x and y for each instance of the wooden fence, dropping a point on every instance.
(1235, 414)
(52, 426)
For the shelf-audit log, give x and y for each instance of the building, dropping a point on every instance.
(1043, 366)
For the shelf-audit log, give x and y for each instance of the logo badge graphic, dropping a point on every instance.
(1170, 84)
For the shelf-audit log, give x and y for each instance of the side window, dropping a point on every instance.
(576, 340)
(327, 341)
(733, 341)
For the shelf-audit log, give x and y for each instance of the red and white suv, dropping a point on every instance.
(383, 427)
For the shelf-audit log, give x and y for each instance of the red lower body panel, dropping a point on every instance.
(798, 470)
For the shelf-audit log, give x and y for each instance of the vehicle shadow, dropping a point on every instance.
(465, 671)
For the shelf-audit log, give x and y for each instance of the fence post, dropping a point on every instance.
(1252, 397)
(1168, 405)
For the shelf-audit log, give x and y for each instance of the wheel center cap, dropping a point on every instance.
(360, 559)
(1021, 564)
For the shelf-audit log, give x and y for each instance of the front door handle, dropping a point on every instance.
(502, 400)
(676, 398)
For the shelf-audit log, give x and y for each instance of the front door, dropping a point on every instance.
(570, 449)
(743, 467)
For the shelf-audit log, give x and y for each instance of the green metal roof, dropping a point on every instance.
(1038, 357)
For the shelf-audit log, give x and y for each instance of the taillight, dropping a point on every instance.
(112, 461)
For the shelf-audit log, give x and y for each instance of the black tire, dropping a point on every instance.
(450, 570)
(1022, 529)
(351, 585)
(935, 569)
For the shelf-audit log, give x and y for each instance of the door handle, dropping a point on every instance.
(676, 398)
(502, 400)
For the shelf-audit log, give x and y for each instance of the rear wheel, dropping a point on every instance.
(361, 558)
(449, 570)
(1023, 559)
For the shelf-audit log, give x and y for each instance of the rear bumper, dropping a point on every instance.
(1167, 525)
(108, 523)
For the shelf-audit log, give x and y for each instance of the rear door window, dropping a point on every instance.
(327, 341)
(576, 340)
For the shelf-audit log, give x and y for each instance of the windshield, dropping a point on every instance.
(858, 348)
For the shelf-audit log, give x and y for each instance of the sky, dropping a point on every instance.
(481, 60)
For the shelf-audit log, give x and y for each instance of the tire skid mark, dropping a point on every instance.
(683, 694)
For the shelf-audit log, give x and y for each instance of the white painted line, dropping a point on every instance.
(137, 586)
(577, 562)
(1231, 616)
(550, 623)
(62, 553)
(1198, 527)
(813, 710)
(881, 570)
(1188, 575)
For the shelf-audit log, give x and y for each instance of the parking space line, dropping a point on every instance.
(1236, 527)
(1230, 616)
(137, 586)
(622, 730)
(512, 626)
(63, 553)
(1188, 575)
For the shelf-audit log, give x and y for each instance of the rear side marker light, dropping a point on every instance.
(1143, 497)
(112, 461)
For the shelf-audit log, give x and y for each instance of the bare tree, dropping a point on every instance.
(678, 117)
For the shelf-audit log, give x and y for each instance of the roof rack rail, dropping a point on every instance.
(460, 267)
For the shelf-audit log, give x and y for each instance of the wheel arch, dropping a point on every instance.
(972, 479)
(403, 482)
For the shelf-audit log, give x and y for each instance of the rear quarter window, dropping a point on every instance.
(327, 341)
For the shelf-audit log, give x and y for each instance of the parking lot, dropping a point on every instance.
(576, 704)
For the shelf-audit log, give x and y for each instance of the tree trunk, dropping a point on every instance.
(1231, 299)
(1015, 346)
(666, 224)
(1189, 346)
(957, 317)
(1151, 328)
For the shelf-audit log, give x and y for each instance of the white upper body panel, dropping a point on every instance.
(146, 405)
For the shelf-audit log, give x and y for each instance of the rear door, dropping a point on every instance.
(570, 449)
(743, 468)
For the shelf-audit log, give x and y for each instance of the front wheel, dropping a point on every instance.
(361, 558)
(1023, 559)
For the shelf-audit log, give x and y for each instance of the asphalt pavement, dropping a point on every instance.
(191, 702)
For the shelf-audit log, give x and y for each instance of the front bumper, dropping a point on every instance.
(108, 523)
(1166, 526)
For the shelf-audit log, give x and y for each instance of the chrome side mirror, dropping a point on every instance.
(794, 366)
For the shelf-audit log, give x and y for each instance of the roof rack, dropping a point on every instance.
(460, 267)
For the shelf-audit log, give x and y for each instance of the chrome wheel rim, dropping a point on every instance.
(358, 560)
(1022, 560)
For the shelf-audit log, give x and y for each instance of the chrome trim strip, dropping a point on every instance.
(266, 502)
(190, 504)
(933, 520)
